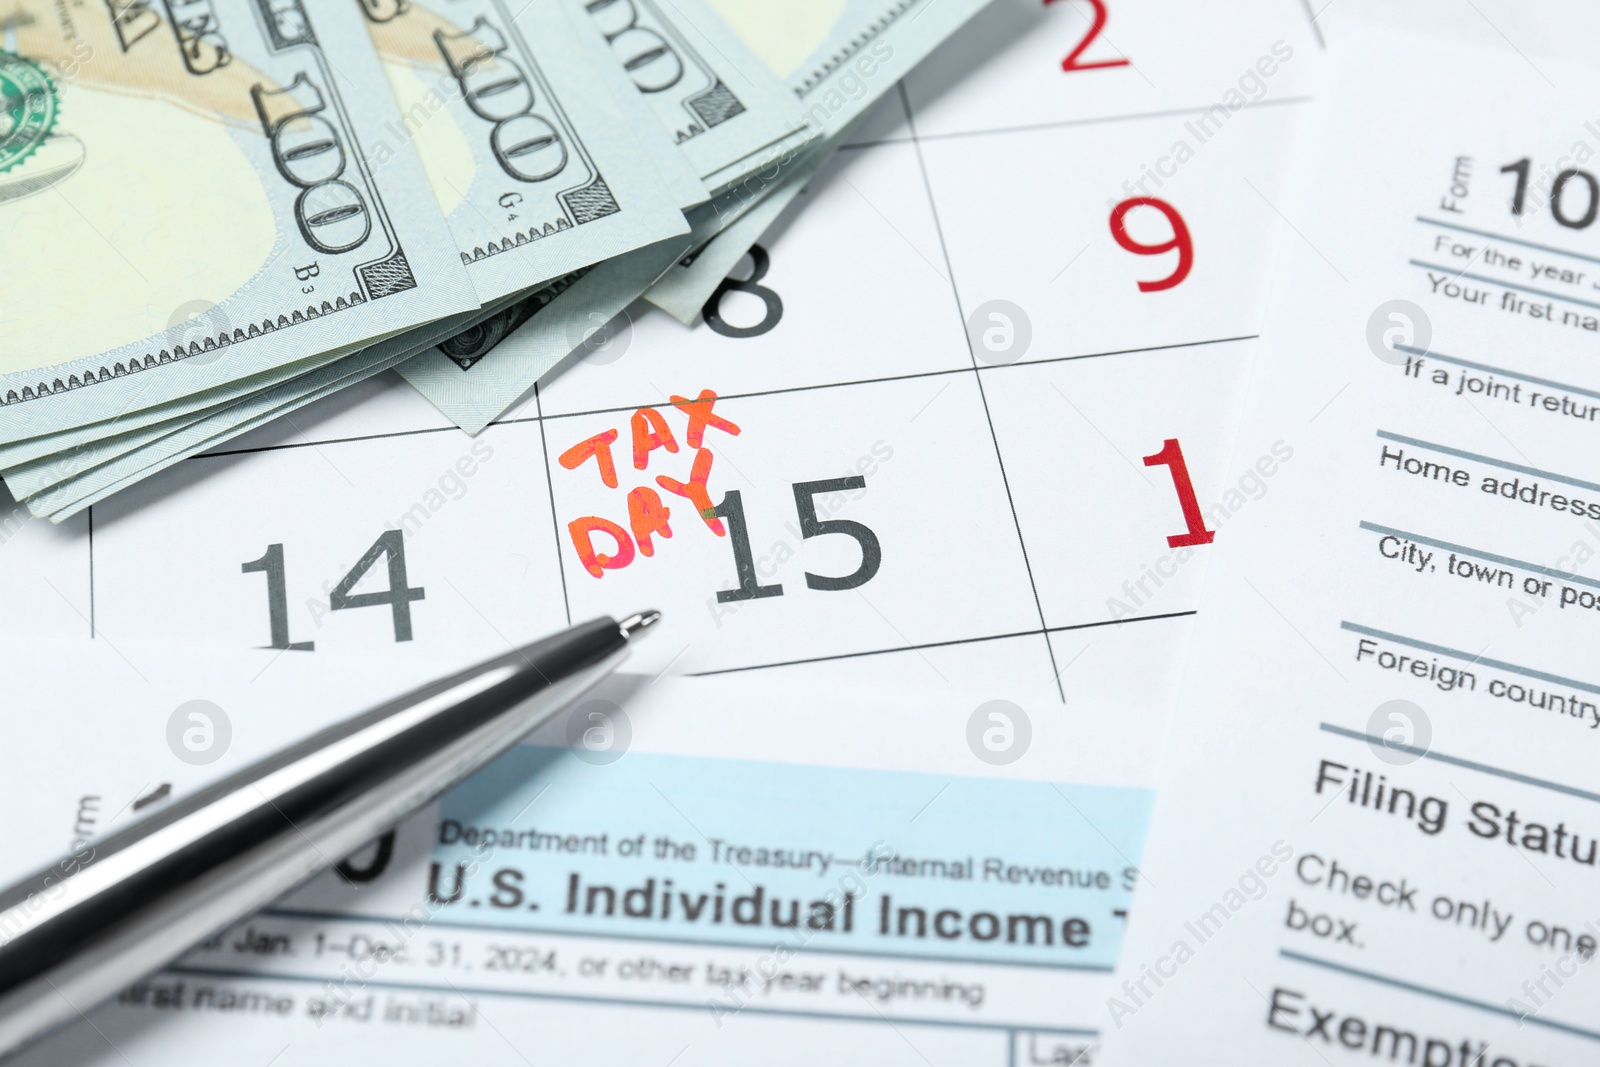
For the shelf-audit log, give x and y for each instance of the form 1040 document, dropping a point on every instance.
(1377, 834)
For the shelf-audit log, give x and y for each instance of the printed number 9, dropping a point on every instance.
(1180, 240)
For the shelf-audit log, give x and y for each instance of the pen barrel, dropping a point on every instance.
(75, 933)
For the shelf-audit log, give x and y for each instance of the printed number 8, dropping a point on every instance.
(759, 262)
(1180, 240)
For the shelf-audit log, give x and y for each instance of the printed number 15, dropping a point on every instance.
(811, 525)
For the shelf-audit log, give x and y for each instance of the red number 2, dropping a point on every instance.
(1180, 240)
(1171, 457)
(1071, 62)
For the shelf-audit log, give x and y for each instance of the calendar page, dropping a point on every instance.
(927, 494)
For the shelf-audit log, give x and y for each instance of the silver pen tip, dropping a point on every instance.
(640, 621)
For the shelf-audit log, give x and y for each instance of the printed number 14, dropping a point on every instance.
(389, 546)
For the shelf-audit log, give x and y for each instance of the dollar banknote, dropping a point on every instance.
(837, 59)
(553, 159)
(724, 108)
(474, 377)
(149, 162)
(534, 168)
(65, 472)
(669, 167)
(79, 438)
(73, 493)
(683, 290)
(71, 479)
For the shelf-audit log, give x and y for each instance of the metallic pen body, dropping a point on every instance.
(79, 931)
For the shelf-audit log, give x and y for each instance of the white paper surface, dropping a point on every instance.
(1375, 832)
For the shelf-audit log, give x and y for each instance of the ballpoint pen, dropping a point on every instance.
(75, 933)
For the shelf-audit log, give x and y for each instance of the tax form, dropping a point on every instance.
(1377, 836)
(958, 427)
(694, 862)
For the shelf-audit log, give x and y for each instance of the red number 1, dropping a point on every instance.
(1071, 62)
(1171, 457)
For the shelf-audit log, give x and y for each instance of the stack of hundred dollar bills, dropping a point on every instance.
(214, 212)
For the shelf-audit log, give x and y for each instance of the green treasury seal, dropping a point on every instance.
(28, 108)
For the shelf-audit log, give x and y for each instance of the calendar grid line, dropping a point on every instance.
(1044, 631)
(326, 441)
(856, 146)
(1100, 120)
(550, 486)
(983, 396)
(909, 376)
(755, 393)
